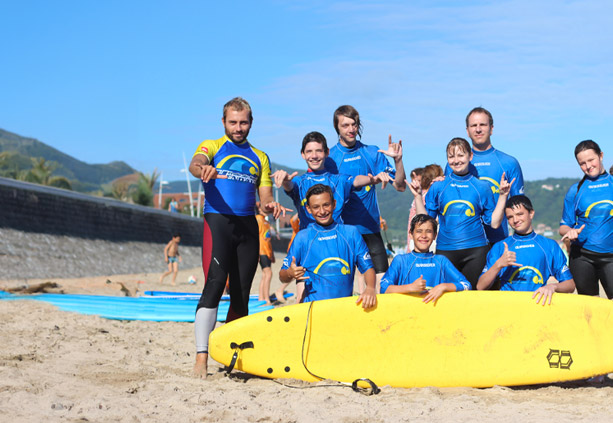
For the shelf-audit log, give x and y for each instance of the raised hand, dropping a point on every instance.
(573, 234)
(281, 176)
(394, 150)
(276, 209)
(419, 284)
(415, 187)
(382, 177)
(508, 258)
(505, 186)
(297, 272)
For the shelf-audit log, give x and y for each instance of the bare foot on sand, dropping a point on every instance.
(200, 368)
(280, 296)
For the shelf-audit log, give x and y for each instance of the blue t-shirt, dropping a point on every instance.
(329, 255)
(592, 206)
(341, 185)
(539, 257)
(462, 204)
(362, 209)
(435, 269)
(488, 166)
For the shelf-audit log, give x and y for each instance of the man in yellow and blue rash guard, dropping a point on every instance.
(231, 170)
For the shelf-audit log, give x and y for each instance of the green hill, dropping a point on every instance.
(86, 177)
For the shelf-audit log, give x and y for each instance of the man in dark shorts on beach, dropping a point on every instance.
(349, 156)
(231, 170)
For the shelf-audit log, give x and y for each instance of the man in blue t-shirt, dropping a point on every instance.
(315, 151)
(352, 157)
(420, 270)
(323, 257)
(525, 260)
(488, 164)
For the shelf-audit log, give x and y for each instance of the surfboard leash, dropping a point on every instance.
(373, 388)
(237, 348)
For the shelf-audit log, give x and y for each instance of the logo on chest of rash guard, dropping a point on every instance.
(332, 266)
(600, 209)
(459, 208)
(239, 168)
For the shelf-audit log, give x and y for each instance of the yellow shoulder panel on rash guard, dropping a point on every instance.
(210, 147)
(264, 180)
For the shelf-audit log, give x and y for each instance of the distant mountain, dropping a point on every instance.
(87, 177)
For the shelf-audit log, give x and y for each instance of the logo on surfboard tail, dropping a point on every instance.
(559, 359)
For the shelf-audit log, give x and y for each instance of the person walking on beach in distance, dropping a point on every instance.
(323, 257)
(173, 206)
(232, 171)
(173, 258)
(524, 261)
(587, 222)
(349, 156)
(421, 270)
(489, 164)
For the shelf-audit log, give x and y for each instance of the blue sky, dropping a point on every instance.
(145, 81)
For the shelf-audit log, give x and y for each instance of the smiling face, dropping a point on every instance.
(458, 160)
(423, 236)
(315, 155)
(237, 124)
(520, 219)
(321, 206)
(480, 130)
(590, 163)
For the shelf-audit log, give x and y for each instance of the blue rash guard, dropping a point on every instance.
(462, 204)
(591, 205)
(362, 209)
(341, 185)
(435, 269)
(539, 257)
(329, 255)
(246, 169)
(489, 166)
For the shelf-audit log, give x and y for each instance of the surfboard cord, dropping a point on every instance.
(373, 390)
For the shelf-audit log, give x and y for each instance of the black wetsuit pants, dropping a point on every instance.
(588, 267)
(231, 247)
(469, 261)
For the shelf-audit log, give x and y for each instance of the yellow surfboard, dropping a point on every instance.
(476, 339)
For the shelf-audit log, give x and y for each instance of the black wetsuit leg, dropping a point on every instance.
(469, 261)
(234, 253)
(588, 267)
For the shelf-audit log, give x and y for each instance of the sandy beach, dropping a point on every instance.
(62, 366)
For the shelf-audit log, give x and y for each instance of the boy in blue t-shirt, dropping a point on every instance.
(315, 152)
(421, 270)
(323, 257)
(524, 261)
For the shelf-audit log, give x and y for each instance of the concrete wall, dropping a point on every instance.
(34, 208)
(49, 232)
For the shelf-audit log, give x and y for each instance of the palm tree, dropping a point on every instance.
(41, 173)
(143, 192)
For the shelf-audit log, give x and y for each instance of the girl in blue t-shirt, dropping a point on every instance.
(587, 221)
(462, 203)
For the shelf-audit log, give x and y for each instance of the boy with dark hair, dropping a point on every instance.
(524, 261)
(421, 270)
(323, 257)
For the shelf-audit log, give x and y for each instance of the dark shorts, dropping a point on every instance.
(588, 267)
(265, 261)
(470, 262)
(378, 254)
